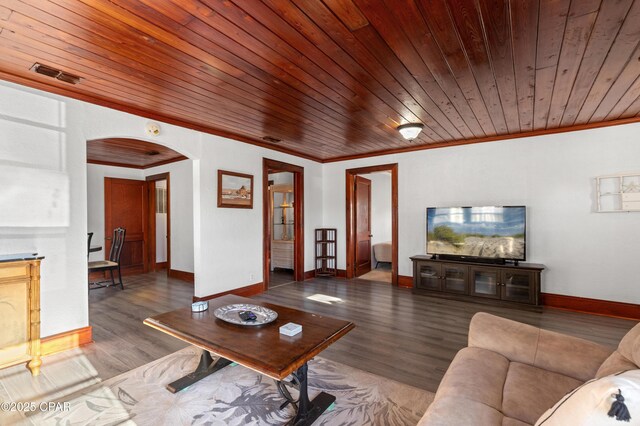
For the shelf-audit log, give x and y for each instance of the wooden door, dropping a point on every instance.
(126, 206)
(363, 225)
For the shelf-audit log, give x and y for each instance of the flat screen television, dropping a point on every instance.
(477, 232)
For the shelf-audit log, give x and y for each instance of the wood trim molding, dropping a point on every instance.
(161, 265)
(247, 291)
(181, 275)
(135, 166)
(112, 164)
(269, 166)
(341, 273)
(64, 91)
(592, 306)
(542, 132)
(64, 341)
(405, 281)
(350, 175)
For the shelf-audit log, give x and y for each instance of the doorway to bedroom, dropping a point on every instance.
(372, 226)
(283, 229)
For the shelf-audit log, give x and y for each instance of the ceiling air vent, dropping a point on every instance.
(55, 73)
(271, 139)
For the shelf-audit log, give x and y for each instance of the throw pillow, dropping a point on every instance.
(590, 403)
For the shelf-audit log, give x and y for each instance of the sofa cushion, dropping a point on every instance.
(478, 375)
(626, 357)
(614, 364)
(571, 357)
(530, 391)
(629, 346)
(452, 410)
(509, 421)
(589, 404)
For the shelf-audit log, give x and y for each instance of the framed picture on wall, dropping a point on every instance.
(235, 190)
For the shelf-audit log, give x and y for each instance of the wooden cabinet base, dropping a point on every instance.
(20, 311)
(34, 365)
(509, 285)
(480, 300)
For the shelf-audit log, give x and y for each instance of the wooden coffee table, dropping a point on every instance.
(260, 348)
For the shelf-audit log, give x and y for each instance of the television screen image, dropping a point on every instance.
(483, 232)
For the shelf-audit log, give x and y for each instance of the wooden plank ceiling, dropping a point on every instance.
(333, 79)
(130, 153)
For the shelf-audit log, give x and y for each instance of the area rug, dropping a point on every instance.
(381, 275)
(236, 395)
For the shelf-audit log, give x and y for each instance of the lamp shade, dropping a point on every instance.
(410, 131)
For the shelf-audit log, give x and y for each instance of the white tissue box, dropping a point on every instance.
(290, 329)
(199, 306)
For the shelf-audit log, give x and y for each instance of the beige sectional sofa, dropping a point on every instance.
(511, 373)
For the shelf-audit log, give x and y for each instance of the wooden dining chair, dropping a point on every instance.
(89, 236)
(113, 263)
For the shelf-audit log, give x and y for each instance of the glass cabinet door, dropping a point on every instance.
(517, 286)
(429, 276)
(484, 282)
(455, 278)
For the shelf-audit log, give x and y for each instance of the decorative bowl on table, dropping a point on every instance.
(231, 314)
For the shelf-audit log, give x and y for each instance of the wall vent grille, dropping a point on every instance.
(55, 73)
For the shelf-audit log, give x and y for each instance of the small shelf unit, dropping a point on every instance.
(326, 260)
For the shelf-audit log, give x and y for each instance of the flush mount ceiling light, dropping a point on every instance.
(410, 131)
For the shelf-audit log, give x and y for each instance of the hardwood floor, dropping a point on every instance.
(122, 342)
(280, 277)
(399, 335)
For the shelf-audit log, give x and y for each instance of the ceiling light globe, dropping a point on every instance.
(410, 131)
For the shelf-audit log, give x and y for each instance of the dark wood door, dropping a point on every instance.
(363, 225)
(126, 206)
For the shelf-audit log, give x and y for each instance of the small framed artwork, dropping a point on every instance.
(235, 190)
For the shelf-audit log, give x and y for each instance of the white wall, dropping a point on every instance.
(380, 207)
(586, 254)
(230, 251)
(39, 140)
(161, 227)
(227, 243)
(181, 205)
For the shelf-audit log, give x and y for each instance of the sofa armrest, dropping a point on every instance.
(518, 342)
